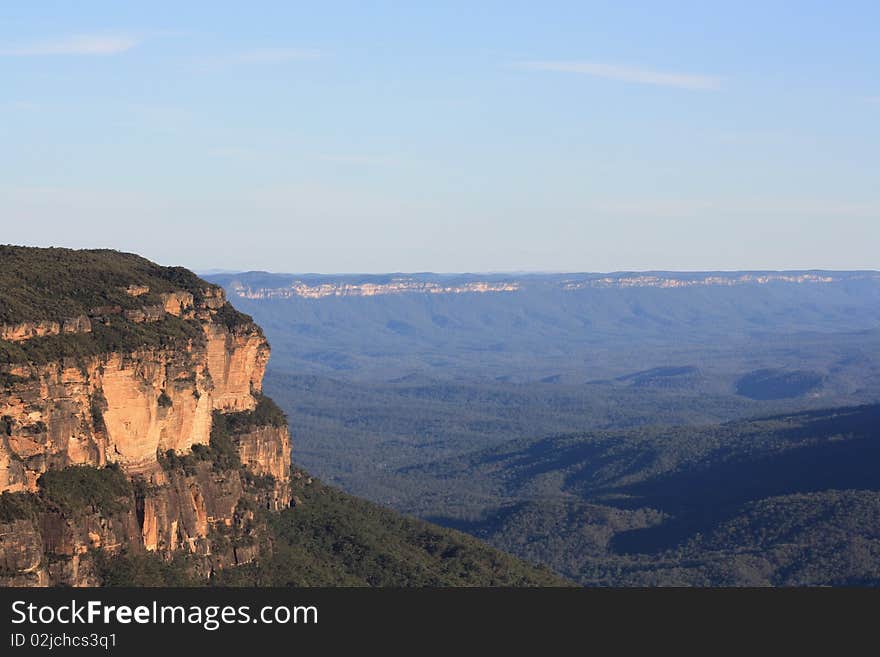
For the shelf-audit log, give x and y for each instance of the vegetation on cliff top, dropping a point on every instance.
(57, 284)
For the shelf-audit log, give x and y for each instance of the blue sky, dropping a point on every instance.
(445, 136)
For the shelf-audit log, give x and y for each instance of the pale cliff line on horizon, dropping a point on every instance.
(325, 286)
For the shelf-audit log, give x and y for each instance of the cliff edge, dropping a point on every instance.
(131, 415)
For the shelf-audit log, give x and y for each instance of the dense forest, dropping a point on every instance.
(786, 500)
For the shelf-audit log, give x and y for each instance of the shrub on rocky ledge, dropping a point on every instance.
(83, 487)
(18, 506)
(266, 413)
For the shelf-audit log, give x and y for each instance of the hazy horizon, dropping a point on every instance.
(527, 272)
(329, 274)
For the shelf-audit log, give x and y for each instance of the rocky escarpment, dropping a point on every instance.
(134, 374)
(124, 407)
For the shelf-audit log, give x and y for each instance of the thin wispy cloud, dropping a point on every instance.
(20, 105)
(628, 74)
(83, 44)
(261, 56)
(755, 136)
(271, 55)
(348, 158)
(234, 152)
(754, 207)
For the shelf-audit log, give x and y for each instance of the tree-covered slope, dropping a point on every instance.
(787, 500)
(331, 538)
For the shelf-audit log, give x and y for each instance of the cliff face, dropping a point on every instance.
(138, 387)
(125, 407)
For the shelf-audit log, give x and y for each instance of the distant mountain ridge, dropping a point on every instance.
(263, 285)
(571, 328)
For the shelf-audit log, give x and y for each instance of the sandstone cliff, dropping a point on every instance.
(153, 374)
